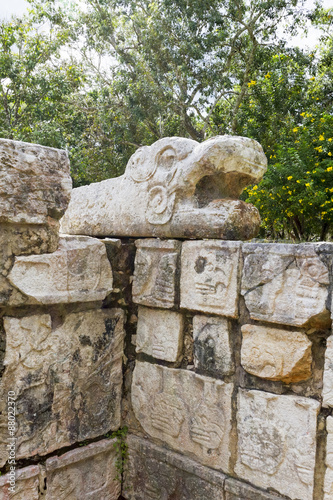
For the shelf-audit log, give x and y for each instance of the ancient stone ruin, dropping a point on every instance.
(146, 325)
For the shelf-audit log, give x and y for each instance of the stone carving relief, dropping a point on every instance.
(159, 333)
(156, 272)
(174, 188)
(276, 354)
(79, 271)
(67, 379)
(277, 442)
(209, 276)
(212, 353)
(187, 411)
(328, 374)
(328, 484)
(286, 284)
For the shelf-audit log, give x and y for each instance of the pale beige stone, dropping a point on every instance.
(212, 353)
(188, 412)
(35, 183)
(277, 442)
(79, 271)
(328, 374)
(286, 284)
(67, 376)
(87, 473)
(276, 354)
(156, 272)
(210, 276)
(26, 484)
(174, 188)
(328, 484)
(160, 333)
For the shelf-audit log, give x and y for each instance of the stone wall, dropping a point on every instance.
(216, 355)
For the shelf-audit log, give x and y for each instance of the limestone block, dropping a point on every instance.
(26, 484)
(212, 353)
(328, 374)
(276, 354)
(67, 376)
(156, 272)
(79, 271)
(277, 442)
(155, 473)
(87, 473)
(190, 413)
(209, 276)
(236, 490)
(286, 284)
(35, 183)
(328, 484)
(175, 188)
(160, 333)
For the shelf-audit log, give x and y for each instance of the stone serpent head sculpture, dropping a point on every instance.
(177, 188)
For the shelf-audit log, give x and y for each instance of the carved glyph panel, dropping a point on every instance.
(209, 276)
(286, 284)
(78, 271)
(159, 333)
(156, 272)
(277, 442)
(276, 354)
(189, 412)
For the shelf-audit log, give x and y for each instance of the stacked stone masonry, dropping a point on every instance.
(216, 355)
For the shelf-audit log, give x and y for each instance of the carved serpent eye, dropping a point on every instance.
(141, 165)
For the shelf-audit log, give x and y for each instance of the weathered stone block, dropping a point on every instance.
(35, 183)
(189, 412)
(236, 490)
(328, 485)
(277, 442)
(85, 473)
(158, 474)
(276, 354)
(79, 271)
(156, 272)
(286, 284)
(210, 276)
(212, 353)
(26, 484)
(328, 374)
(67, 376)
(160, 333)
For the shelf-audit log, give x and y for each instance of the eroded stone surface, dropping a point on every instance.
(174, 188)
(328, 374)
(328, 485)
(212, 353)
(79, 271)
(154, 473)
(277, 442)
(276, 354)
(189, 412)
(236, 490)
(26, 484)
(286, 284)
(209, 276)
(160, 333)
(67, 377)
(156, 272)
(86, 473)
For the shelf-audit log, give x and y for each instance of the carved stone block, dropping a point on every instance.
(154, 473)
(328, 485)
(212, 353)
(328, 374)
(277, 442)
(79, 271)
(84, 473)
(188, 412)
(276, 354)
(160, 333)
(67, 376)
(26, 484)
(209, 276)
(156, 273)
(286, 284)
(236, 490)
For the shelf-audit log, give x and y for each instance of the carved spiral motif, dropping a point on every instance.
(158, 199)
(141, 166)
